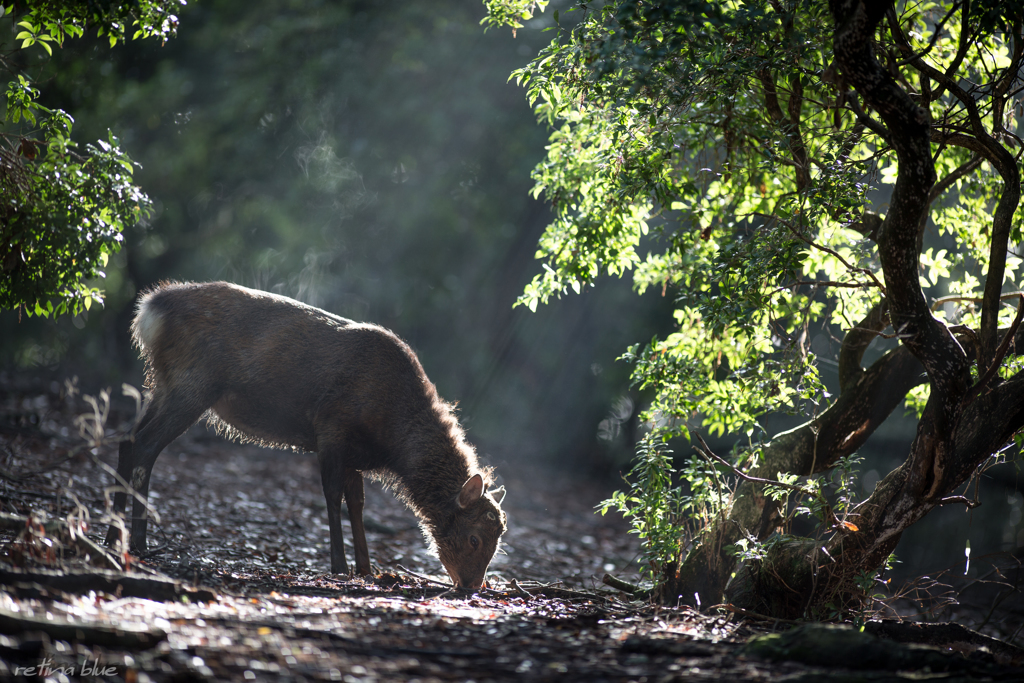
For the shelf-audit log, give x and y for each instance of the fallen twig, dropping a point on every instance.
(519, 589)
(122, 585)
(619, 584)
(755, 615)
(50, 526)
(423, 577)
(87, 634)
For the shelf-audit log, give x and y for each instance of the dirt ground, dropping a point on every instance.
(236, 586)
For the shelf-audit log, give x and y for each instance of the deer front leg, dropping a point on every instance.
(333, 480)
(354, 499)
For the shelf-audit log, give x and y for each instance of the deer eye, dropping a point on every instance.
(491, 516)
(474, 541)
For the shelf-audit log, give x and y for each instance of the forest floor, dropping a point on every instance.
(235, 584)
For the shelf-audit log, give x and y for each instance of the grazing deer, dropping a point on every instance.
(272, 370)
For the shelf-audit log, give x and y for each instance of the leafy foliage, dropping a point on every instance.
(712, 149)
(47, 21)
(63, 209)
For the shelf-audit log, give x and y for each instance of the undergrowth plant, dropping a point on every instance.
(655, 504)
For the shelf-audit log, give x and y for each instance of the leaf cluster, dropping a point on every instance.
(656, 505)
(658, 138)
(53, 21)
(63, 207)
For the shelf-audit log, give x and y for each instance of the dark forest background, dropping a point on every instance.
(366, 158)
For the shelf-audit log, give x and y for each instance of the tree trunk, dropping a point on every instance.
(811, 448)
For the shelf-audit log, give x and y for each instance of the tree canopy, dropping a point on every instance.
(845, 172)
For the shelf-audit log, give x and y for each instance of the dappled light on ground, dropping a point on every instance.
(235, 585)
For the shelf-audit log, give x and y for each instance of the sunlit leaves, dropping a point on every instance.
(511, 12)
(63, 211)
(63, 208)
(31, 35)
(660, 128)
(46, 21)
(656, 505)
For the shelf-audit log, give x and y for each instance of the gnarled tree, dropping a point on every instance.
(851, 166)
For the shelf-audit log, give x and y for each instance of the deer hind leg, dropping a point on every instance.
(125, 464)
(169, 415)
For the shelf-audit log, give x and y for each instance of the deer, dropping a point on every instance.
(271, 370)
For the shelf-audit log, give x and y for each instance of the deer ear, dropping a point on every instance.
(498, 494)
(471, 491)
